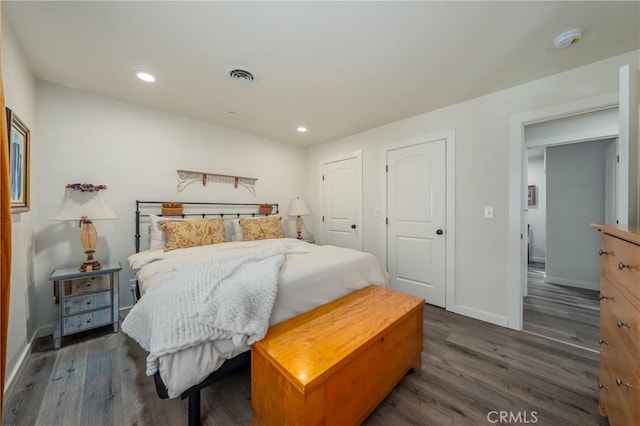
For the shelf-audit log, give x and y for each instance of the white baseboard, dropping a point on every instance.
(15, 372)
(480, 315)
(571, 283)
(124, 312)
(539, 259)
(47, 330)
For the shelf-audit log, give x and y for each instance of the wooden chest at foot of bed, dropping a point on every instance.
(333, 365)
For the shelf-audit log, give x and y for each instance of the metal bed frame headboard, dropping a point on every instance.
(213, 209)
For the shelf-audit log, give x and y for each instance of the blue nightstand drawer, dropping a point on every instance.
(86, 321)
(86, 303)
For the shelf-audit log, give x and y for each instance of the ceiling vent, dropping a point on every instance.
(241, 75)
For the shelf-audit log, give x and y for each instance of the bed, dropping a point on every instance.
(205, 277)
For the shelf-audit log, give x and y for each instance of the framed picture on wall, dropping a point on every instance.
(532, 196)
(19, 139)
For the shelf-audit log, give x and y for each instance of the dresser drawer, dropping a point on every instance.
(621, 263)
(621, 401)
(77, 304)
(619, 318)
(84, 285)
(76, 323)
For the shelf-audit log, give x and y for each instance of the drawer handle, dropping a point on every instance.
(89, 320)
(603, 342)
(88, 302)
(620, 382)
(603, 297)
(601, 386)
(601, 252)
(621, 324)
(622, 266)
(88, 284)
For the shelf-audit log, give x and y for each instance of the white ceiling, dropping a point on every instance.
(337, 68)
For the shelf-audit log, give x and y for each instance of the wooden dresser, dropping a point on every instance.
(334, 364)
(620, 325)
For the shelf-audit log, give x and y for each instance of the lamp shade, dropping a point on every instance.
(77, 204)
(298, 208)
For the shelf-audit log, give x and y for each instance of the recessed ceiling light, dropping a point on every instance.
(232, 113)
(144, 76)
(302, 129)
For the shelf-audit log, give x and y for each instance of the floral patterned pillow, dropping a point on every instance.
(262, 228)
(191, 233)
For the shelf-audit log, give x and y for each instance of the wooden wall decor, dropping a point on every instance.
(187, 177)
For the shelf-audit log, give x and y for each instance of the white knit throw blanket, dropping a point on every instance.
(229, 296)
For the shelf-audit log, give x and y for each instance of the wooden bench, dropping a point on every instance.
(333, 365)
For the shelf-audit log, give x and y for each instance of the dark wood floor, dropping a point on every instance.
(565, 313)
(470, 369)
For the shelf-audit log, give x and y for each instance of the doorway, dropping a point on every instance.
(567, 186)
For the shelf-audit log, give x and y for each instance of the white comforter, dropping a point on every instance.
(305, 281)
(213, 296)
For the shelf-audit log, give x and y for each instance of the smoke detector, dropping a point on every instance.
(241, 75)
(568, 38)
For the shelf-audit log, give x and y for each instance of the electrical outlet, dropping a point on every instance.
(488, 212)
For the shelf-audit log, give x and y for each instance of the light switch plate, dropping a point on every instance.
(488, 212)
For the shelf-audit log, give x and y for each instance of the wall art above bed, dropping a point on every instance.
(187, 177)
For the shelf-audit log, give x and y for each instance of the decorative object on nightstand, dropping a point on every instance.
(85, 202)
(298, 208)
(84, 300)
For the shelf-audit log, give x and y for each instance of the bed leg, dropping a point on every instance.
(194, 408)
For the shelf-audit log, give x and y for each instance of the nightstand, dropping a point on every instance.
(84, 300)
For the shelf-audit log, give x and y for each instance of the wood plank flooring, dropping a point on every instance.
(565, 313)
(470, 368)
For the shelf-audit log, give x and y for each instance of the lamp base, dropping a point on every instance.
(299, 227)
(90, 264)
(89, 240)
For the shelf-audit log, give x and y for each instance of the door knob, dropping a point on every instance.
(439, 232)
(353, 226)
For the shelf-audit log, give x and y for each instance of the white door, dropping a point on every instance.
(628, 146)
(416, 215)
(342, 201)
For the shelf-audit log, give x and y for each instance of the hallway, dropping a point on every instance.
(563, 313)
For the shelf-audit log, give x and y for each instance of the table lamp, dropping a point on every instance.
(298, 208)
(85, 202)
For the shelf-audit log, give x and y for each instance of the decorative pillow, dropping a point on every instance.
(191, 233)
(237, 229)
(261, 228)
(156, 236)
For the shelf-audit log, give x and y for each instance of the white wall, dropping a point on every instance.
(20, 88)
(536, 216)
(136, 151)
(482, 173)
(575, 199)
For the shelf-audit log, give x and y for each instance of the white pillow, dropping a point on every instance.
(156, 236)
(237, 229)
